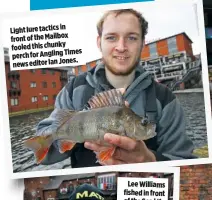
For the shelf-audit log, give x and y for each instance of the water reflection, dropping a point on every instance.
(194, 108)
(23, 127)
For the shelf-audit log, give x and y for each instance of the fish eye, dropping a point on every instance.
(144, 121)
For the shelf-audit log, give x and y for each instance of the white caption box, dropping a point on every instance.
(41, 41)
(142, 188)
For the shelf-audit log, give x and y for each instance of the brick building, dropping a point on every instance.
(61, 187)
(167, 46)
(32, 89)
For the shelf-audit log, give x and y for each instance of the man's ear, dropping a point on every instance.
(98, 40)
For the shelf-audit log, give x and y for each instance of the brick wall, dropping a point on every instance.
(196, 182)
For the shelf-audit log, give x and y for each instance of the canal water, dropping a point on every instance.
(23, 127)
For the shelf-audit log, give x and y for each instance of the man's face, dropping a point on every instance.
(121, 43)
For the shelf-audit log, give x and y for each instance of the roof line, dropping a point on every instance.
(184, 33)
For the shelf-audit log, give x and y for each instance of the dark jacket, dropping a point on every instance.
(146, 97)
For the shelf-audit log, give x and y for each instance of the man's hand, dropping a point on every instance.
(127, 150)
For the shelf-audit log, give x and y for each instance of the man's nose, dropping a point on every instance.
(121, 45)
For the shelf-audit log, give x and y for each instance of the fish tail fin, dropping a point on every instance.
(40, 146)
(65, 145)
(105, 155)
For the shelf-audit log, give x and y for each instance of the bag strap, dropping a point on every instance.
(88, 92)
(151, 104)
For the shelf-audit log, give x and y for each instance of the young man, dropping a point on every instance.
(121, 36)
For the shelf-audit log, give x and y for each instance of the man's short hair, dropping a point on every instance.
(141, 19)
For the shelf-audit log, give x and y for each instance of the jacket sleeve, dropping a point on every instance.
(47, 126)
(173, 142)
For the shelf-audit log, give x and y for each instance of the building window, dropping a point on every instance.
(54, 84)
(63, 73)
(33, 84)
(52, 72)
(54, 96)
(44, 84)
(45, 97)
(73, 71)
(32, 71)
(43, 71)
(106, 182)
(34, 99)
(8, 67)
(153, 50)
(6, 51)
(13, 85)
(63, 190)
(80, 69)
(14, 102)
(71, 188)
(172, 45)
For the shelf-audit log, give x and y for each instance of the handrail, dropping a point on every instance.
(198, 66)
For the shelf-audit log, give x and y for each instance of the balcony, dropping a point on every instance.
(14, 75)
(169, 76)
(6, 55)
(14, 92)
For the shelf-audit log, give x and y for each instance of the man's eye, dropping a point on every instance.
(132, 38)
(111, 38)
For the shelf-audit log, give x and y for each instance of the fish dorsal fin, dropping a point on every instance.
(107, 98)
(62, 115)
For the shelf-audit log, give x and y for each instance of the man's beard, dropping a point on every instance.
(117, 73)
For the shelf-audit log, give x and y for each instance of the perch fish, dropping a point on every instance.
(107, 113)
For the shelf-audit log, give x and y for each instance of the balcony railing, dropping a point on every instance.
(14, 75)
(14, 92)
